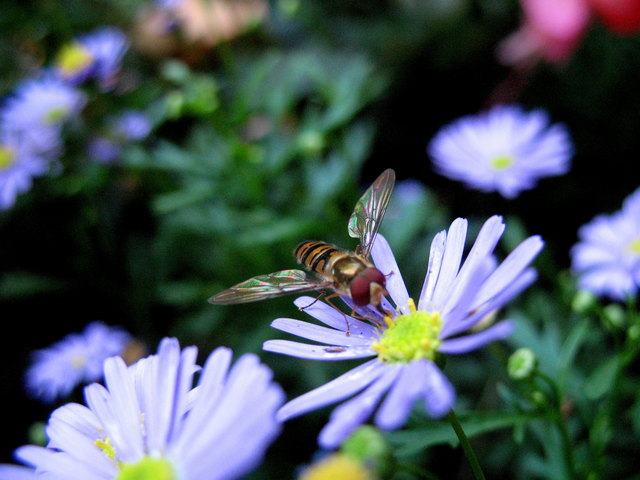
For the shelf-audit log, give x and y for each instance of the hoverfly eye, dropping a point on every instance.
(359, 289)
(375, 276)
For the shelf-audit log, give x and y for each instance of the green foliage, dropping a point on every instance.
(269, 138)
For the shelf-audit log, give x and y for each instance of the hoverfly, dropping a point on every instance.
(347, 273)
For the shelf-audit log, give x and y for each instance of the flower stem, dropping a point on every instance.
(466, 446)
(558, 418)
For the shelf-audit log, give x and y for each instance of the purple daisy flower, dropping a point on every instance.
(607, 257)
(38, 109)
(504, 149)
(104, 150)
(95, 55)
(19, 163)
(168, 4)
(130, 125)
(75, 359)
(406, 343)
(148, 421)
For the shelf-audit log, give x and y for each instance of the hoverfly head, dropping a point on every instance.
(368, 287)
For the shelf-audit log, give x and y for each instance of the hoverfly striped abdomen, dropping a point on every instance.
(317, 256)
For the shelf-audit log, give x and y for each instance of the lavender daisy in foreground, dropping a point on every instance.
(406, 344)
(504, 149)
(95, 55)
(74, 360)
(149, 421)
(607, 257)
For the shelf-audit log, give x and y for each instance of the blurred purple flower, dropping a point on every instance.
(168, 4)
(504, 149)
(130, 125)
(104, 150)
(150, 422)
(607, 257)
(18, 165)
(95, 55)
(75, 359)
(38, 109)
(454, 299)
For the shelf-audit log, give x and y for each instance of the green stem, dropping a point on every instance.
(466, 446)
(558, 418)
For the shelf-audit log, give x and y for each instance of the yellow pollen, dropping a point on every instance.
(336, 466)
(105, 445)
(634, 246)
(7, 157)
(78, 362)
(409, 337)
(55, 115)
(72, 59)
(502, 162)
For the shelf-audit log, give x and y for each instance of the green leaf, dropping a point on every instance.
(434, 432)
(602, 378)
(570, 347)
(23, 284)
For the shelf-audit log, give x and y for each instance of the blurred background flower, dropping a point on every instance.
(96, 55)
(504, 149)
(607, 256)
(75, 360)
(553, 29)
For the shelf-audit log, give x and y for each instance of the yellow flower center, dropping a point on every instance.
(73, 58)
(7, 157)
(634, 246)
(55, 115)
(410, 337)
(148, 468)
(78, 362)
(336, 466)
(502, 162)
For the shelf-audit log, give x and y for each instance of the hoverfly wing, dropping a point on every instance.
(270, 285)
(367, 215)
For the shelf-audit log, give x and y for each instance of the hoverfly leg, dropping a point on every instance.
(346, 319)
(322, 294)
(383, 312)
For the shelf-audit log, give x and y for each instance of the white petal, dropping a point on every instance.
(512, 267)
(316, 352)
(344, 386)
(476, 340)
(451, 261)
(385, 261)
(452, 328)
(332, 317)
(433, 271)
(440, 395)
(320, 334)
(348, 416)
(396, 407)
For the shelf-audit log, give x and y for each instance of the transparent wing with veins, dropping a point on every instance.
(369, 211)
(270, 285)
